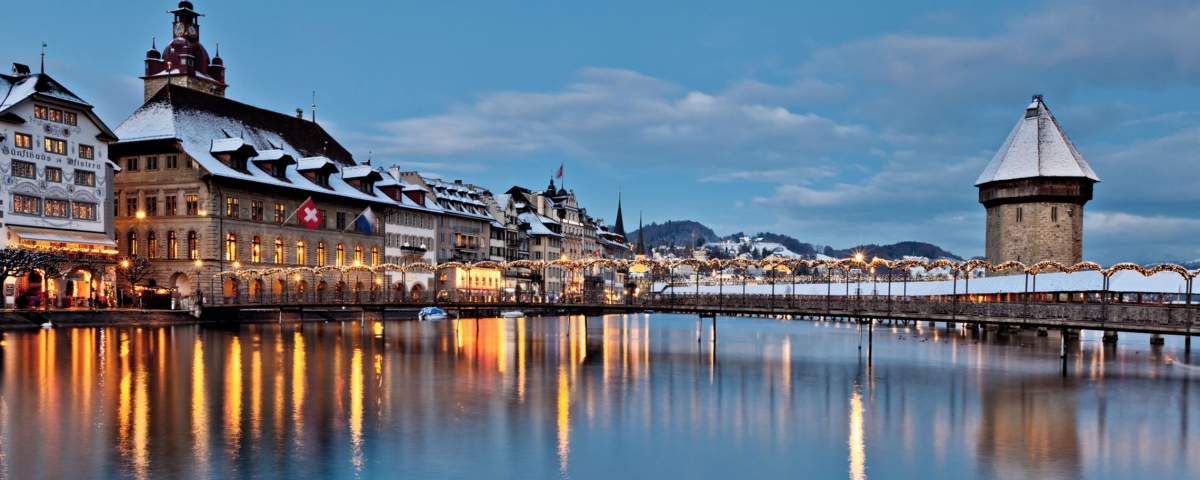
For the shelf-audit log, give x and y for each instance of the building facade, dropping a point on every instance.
(1034, 191)
(411, 236)
(57, 189)
(212, 186)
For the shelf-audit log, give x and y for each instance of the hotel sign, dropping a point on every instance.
(48, 158)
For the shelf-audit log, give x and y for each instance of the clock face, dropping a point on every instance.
(191, 30)
(179, 30)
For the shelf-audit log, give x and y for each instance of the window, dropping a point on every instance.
(374, 256)
(188, 163)
(1019, 215)
(193, 245)
(26, 204)
(192, 204)
(172, 161)
(171, 206)
(23, 141)
(256, 210)
(41, 112)
(87, 152)
(85, 178)
(152, 206)
(301, 253)
(280, 211)
(1053, 214)
(231, 207)
(152, 245)
(54, 145)
(151, 163)
(321, 253)
(341, 221)
(358, 255)
(24, 169)
(278, 251)
(70, 118)
(57, 208)
(324, 219)
(131, 206)
(131, 164)
(83, 210)
(339, 258)
(231, 247)
(256, 249)
(54, 174)
(131, 246)
(172, 245)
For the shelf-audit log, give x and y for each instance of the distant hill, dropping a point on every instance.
(675, 233)
(680, 234)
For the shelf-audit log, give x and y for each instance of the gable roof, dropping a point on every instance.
(14, 90)
(1036, 147)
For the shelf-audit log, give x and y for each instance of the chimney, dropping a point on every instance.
(300, 113)
(20, 70)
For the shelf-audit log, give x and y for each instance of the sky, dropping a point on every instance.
(839, 123)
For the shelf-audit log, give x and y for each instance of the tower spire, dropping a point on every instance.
(619, 225)
(641, 243)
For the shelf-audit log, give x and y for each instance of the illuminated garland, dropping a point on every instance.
(772, 263)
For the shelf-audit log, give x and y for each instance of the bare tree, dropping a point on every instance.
(134, 269)
(16, 262)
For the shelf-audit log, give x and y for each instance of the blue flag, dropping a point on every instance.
(366, 222)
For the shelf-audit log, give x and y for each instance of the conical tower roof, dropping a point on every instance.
(1036, 147)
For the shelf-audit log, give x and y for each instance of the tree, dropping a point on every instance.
(16, 262)
(134, 269)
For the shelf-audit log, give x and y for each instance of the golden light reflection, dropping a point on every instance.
(141, 424)
(199, 410)
(858, 451)
(124, 394)
(297, 387)
(521, 359)
(256, 393)
(563, 422)
(233, 396)
(356, 409)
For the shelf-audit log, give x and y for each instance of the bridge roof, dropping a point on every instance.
(1036, 147)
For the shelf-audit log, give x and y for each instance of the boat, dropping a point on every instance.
(512, 314)
(432, 313)
(47, 325)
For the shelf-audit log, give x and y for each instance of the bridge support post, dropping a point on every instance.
(1042, 332)
(1110, 336)
(1062, 350)
(1157, 339)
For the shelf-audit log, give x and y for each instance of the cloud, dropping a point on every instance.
(619, 114)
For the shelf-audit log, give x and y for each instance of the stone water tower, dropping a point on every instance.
(1034, 190)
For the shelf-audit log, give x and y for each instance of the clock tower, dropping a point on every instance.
(184, 61)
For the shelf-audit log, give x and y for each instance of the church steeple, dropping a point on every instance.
(619, 226)
(641, 243)
(184, 61)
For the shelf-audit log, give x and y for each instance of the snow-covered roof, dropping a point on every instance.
(229, 145)
(537, 224)
(358, 171)
(1036, 147)
(17, 89)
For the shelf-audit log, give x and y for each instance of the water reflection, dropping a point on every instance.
(564, 397)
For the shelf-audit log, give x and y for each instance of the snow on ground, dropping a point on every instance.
(1165, 282)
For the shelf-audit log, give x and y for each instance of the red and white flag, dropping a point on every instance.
(309, 216)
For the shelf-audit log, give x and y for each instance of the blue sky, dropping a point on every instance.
(835, 122)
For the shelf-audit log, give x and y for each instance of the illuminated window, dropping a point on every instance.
(256, 250)
(23, 141)
(231, 247)
(152, 244)
(27, 205)
(192, 204)
(85, 178)
(57, 208)
(41, 112)
(193, 245)
(280, 211)
(301, 253)
(278, 251)
(375, 255)
(256, 210)
(339, 258)
(131, 206)
(54, 145)
(131, 244)
(86, 152)
(321, 253)
(54, 174)
(172, 245)
(24, 169)
(358, 255)
(70, 118)
(83, 210)
(231, 206)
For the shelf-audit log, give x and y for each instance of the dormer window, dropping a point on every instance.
(274, 162)
(317, 170)
(233, 152)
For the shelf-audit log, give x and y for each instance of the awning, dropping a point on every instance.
(64, 239)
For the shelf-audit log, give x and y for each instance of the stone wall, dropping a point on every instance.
(1035, 231)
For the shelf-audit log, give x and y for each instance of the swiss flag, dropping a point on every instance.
(308, 215)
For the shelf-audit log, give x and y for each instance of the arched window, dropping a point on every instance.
(358, 255)
(193, 245)
(321, 257)
(255, 249)
(231, 247)
(339, 258)
(131, 246)
(301, 253)
(152, 244)
(279, 250)
(375, 255)
(172, 245)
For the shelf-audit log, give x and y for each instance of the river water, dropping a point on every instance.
(626, 396)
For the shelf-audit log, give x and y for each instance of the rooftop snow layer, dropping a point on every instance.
(1036, 147)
